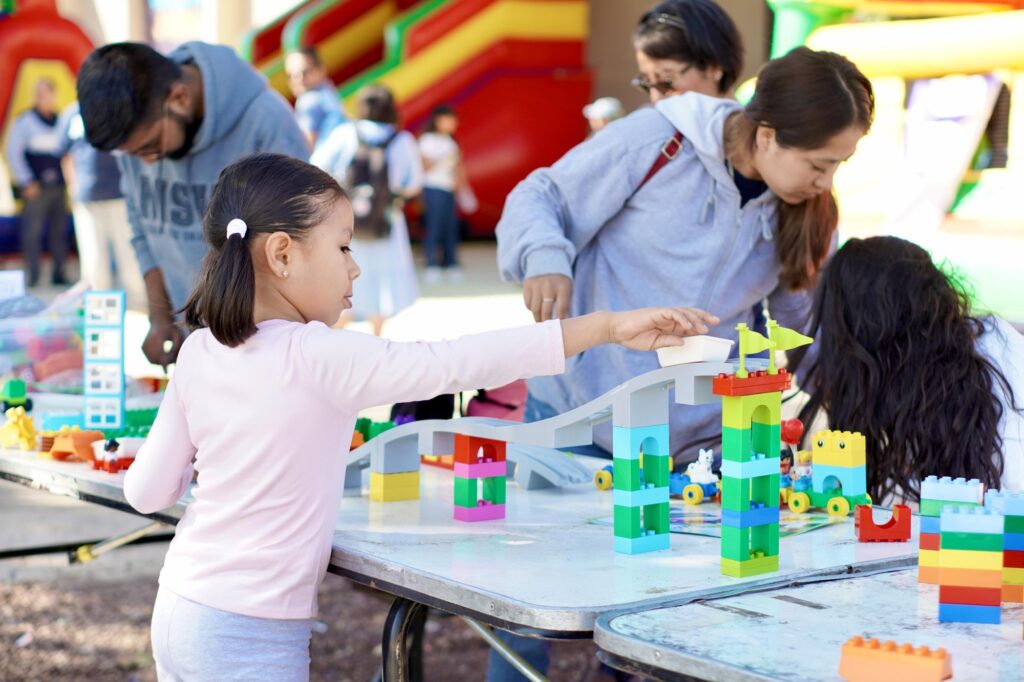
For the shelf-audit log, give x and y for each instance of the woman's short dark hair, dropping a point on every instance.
(897, 359)
(439, 112)
(122, 86)
(270, 193)
(697, 32)
(377, 103)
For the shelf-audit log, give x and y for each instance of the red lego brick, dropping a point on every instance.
(896, 529)
(468, 449)
(930, 541)
(978, 596)
(756, 382)
(1013, 558)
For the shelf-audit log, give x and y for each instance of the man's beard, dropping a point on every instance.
(191, 127)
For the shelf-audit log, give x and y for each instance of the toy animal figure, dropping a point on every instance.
(700, 471)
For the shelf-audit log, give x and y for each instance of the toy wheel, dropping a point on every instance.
(693, 494)
(3, 406)
(799, 502)
(838, 506)
(28, 404)
(603, 480)
(784, 495)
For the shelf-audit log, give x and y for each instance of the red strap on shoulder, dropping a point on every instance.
(669, 151)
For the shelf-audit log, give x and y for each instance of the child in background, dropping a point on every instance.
(443, 173)
(901, 358)
(264, 396)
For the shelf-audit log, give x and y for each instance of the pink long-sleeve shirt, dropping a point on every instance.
(268, 424)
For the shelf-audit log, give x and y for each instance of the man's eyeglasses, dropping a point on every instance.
(664, 86)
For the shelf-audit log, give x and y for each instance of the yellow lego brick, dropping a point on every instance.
(742, 569)
(739, 412)
(928, 557)
(1013, 576)
(839, 448)
(966, 558)
(395, 487)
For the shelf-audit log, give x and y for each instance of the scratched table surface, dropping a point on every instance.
(544, 568)
(797, 633)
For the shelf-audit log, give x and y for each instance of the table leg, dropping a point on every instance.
(402, 645)
(514, 659)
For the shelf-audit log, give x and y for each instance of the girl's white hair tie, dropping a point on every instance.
(237, 226)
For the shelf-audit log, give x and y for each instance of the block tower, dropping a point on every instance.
(970, 564)
(640, 433)
(839, 461)
(936, 493)
(751, 442)
(1012, 507)
(479, 461)
(103, 383)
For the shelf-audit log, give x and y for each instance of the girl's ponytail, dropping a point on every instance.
(225, 295)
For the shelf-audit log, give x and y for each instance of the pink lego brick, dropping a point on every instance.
(482, 470)
(484, 512)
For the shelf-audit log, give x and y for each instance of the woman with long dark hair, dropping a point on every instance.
(902, 359)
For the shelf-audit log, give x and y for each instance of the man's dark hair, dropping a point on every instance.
(120, 87)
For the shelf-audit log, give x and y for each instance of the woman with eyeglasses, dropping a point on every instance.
(696, 201)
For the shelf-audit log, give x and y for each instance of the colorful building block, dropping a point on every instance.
(896, 529)
(970, 564)
(852, 480)
(641, 462)
(874, 661)
(954, 519)
(839, 448)
(481, 470)
(969, 613)
(1012, 507)
(394, 487)
(103, 367)
(758, 516)
(952, 489)
(757, 465)
(482, 512)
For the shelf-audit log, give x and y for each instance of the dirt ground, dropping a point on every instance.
(98, 630)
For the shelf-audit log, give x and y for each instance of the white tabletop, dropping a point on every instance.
(802, 630)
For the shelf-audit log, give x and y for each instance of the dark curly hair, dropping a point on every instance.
(897, 361)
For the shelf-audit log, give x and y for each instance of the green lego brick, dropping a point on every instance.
(736, 444)
(934, 507)
(739, 412)
(766, 438)
(656, 518)
(627, 522)
(466, 491)
(765, 539)
(626, 473)
(744, 569)
(656, 470)
(765, 489)
(377, 428)
(363, 427)
(735, 543)
(494, 489)
(1014, 524)
(736, 494)
(981, 542)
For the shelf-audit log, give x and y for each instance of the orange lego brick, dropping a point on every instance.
(970, 577)
(928, 574)
(1013, 593)
(74, 443)
(472, 450)
(874, 661)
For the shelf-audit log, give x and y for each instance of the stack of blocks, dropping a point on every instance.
(103, 368)
(751, 441)
(970, 565)
(394, 469)
(641, 492)
(1011, 505)
(936, 493)
(479, 460)
(839, 459)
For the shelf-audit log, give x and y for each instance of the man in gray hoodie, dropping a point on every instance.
(176, 121)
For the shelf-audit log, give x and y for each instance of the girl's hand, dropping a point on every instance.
(649, 329)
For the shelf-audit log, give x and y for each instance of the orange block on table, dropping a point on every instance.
(74, 443)
(874, 661)
(970, 577)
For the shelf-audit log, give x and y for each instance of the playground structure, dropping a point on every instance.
(946, 151)
(513, 70)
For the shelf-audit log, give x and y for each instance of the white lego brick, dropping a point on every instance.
(971, 520)
(947, 489)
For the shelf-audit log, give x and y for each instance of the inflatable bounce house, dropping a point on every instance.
(513, 70)
(37, 42)
(946, 151)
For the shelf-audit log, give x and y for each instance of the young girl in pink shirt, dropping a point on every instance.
(264, 396)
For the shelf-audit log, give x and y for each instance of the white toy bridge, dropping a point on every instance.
(641, 401)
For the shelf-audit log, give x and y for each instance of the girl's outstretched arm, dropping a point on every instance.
(644, 329)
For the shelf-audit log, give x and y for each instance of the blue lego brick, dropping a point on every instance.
(931, 524)
(971, 520)
(759, 465)
(853, 479)
(627, 442)
(641, 498)
(761, 516)
(949, 489)
(968, 613)
(647, 543)
(1010, 504)
(1013, 542)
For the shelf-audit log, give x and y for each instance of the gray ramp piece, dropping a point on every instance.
(644, 407)
(354, 476)
(693, 381)
(397, 455)
(536, 467)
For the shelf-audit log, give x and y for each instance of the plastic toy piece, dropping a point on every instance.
(394, 487)
(103, 383)
(535, 467)
(969, 613)
(696, 349)
(74, 443)
(839, 449)
(970, 564)
(874, 661)
(756, 382)
(957, 490)
(896, 529)
(485, 511)
(19, 430)
(1012, 507)
(14, 393)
